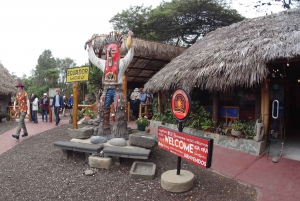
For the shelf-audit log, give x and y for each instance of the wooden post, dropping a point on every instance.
(75, 104)
(127, 109)
(265, 104)
(216, 102)
(50, 113)
(159, 102)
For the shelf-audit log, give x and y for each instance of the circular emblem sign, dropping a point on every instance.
(181, 104)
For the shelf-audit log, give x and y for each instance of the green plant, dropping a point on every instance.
(237, 125)
(206, 124)
(143, 121)
(248, 129)
(89, 111)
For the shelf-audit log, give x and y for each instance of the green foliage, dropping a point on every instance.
(143, 121)
(89, 111)
(237, 125)
(248, 129)
(179, 22)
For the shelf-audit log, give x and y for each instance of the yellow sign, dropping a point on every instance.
(78, 74)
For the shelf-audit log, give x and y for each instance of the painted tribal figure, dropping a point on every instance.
(113, 71)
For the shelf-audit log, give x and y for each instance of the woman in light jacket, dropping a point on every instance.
(35, 107)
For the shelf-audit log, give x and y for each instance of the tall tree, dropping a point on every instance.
(63, 65)
(179, 22)
(45, 75)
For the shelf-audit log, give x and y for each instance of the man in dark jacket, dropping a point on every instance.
(44, 104)
(58, 105)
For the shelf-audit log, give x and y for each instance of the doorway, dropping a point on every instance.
(285, 109)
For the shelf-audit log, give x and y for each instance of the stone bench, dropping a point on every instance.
(122, 152)
(68, 146)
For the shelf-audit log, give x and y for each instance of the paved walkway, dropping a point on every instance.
(274, 181)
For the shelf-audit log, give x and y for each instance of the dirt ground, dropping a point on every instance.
(35, 170)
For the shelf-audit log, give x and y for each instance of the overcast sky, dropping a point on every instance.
(28, 27)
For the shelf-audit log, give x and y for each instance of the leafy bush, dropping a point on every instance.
(237, 125)
(248, 129)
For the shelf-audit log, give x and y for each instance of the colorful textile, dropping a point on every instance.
(22, 101)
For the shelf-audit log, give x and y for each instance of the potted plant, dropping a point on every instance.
(236, 127)
(88, 113)
(142, 123)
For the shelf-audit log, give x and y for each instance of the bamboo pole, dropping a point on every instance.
(127, 107)
(159, 102)
(265, 104)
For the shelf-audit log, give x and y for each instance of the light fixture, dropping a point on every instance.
(298, 80)
(287, 64)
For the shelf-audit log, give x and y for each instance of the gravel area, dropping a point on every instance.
(35, 170)
(7, 126)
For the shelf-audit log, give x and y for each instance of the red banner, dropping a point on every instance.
(197, 150)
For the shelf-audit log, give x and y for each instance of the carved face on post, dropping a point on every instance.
(112, 53)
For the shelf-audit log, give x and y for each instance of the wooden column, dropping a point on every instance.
(216, 103)
(127, 109)
(265, 104)
(125, 85)
(75, 104)
(159, 102)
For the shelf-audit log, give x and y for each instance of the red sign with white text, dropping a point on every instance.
(197, 150)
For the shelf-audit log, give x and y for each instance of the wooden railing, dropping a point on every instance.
(12, 113)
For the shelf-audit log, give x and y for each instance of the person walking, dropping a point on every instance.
(35, 108)
(66, 106)
(44, 103)
(58, 105)
(70, 104)
(23, 103)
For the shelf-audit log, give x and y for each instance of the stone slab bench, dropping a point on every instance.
(68, 146)
(122, 152)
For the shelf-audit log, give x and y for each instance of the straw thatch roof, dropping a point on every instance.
(236, 55)
(149, 57)
(7, 82)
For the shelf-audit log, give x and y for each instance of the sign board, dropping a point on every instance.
(180, 104)
(197, 150)
(78, 74)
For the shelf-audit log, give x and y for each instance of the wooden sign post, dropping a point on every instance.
(76, 75)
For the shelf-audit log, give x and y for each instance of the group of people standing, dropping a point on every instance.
(34, 107)
(68, 104)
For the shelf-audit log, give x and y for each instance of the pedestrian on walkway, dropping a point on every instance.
(23, 103)
(66, 106)
(35, 108)
(70, 104)
(58, 105)
(44, 103)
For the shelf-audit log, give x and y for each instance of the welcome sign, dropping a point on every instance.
(197, 150)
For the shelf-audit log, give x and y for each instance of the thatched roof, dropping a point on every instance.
(236, 55)
(7, 82)
(149, 57)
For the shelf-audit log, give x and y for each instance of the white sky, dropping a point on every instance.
(28, 27)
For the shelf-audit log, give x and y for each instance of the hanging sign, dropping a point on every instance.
(78, 74)
(197, 150)
(180, 104)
